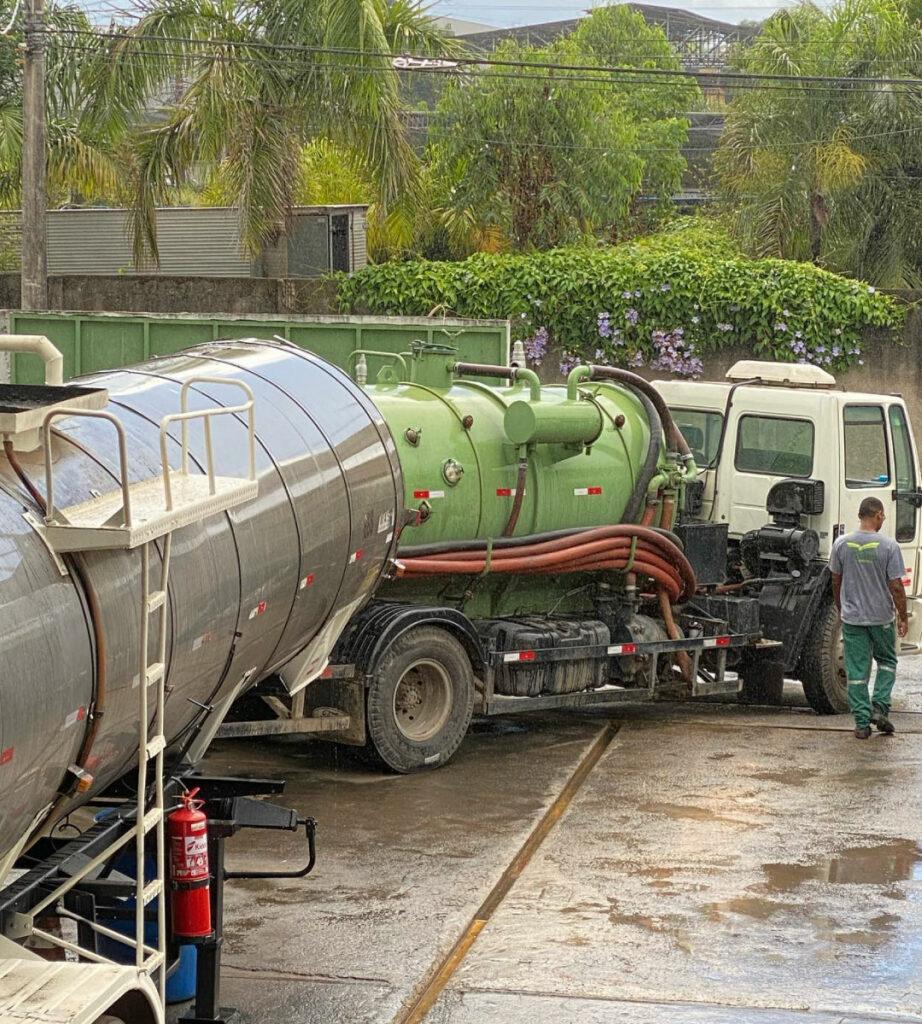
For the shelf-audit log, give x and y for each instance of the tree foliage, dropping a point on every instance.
(831, 173)
(243, 87)
(84, 150)
(544, 158)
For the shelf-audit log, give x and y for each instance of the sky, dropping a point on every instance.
(506, 13)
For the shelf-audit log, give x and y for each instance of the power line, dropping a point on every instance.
(438, 128)
(570, 78)
(707, 77)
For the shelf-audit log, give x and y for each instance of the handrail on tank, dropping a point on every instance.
(100, 414)
(380, 355)
(39, 345)
(205, 415)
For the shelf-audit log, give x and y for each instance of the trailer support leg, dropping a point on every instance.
(207, 1009)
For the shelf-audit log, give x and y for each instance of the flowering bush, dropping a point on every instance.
(664, 302)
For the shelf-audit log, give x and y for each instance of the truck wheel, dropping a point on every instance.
(822, 664)
(421, 700)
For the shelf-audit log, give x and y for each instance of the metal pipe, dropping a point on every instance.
(516, 509)
(504, 372)
(674, 436)
(39, 345)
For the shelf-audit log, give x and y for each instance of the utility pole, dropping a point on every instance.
(34, 263)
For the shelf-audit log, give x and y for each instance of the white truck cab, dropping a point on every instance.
(785, 421)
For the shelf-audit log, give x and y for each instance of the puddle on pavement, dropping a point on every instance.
(896, 861)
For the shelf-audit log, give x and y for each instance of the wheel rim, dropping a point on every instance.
(422, 700)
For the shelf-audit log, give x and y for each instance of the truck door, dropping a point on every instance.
(904, 495)
(879, 460)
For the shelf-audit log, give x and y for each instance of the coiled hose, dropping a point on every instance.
(624, 547)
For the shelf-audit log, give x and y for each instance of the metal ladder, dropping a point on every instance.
(136, 516)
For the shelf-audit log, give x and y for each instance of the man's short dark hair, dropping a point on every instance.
(869, 508)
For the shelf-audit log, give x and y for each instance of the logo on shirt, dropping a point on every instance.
(865, 552)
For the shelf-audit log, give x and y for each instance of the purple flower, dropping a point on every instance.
(638, 293)
(568, 362)
(632, 315)
(665, 288)
(694, 319)
(836, 351)
(871, 289)
(627, 295)
(636, 359)
(782, 326)
(536, 347)
(798, 334)
(837, 331)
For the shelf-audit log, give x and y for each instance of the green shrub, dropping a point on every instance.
(665, 301)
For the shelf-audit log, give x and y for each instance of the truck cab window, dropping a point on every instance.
(905, 469)
(866, 460)
(701, 429)
(774, 446)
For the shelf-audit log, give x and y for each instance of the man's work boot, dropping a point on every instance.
(862, 732)
(883, 723)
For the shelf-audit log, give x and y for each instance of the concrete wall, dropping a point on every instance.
(157, 294)
(888, 368)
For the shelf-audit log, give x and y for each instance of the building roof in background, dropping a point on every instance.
(460, 27)
(698, 39)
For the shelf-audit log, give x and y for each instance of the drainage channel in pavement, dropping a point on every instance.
(419, 1005)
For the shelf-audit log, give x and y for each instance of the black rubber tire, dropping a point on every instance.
(430, 665)
(821, 670)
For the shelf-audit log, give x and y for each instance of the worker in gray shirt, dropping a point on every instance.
(867, 583)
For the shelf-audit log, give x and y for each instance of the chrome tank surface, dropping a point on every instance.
(250, 589)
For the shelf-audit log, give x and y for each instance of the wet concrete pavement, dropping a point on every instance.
(718, 864)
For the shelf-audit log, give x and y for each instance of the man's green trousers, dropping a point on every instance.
(862, 643)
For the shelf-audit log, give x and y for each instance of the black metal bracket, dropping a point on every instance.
(310, 832)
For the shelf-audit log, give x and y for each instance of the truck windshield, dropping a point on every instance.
(701, 429)
(774, 446)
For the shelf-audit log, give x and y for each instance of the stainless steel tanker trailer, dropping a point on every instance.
(159, 555)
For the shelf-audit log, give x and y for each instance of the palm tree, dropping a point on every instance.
(830, 172)
(83, 150)
(243, 87)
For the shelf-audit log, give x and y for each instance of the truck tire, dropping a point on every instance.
(420, 701)
(822, 664)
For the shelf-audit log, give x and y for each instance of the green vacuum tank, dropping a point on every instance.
(466, 446)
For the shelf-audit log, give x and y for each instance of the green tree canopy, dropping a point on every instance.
(83, 149)
(546, 157)
(831, 172)
(242, 88)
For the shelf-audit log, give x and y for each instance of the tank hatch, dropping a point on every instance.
(23, 408)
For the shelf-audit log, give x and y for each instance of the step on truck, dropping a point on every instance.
(602, 541)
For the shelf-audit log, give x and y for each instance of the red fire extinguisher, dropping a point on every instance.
(187, 832)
